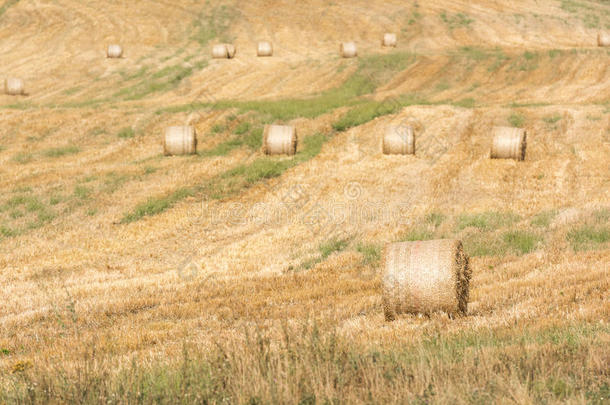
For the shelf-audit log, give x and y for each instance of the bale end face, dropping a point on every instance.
(223, 51)
(508, 143)
(603, 39)
(425, 277)
(264, 49)
(14, 87)
(114, 51)
(279, 140)
(389, 40)
(180, 141)
(348, 50)
(398, 140)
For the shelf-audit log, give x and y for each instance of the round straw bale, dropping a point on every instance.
(399, 140)
(425, 277)
(508, 143)
(180, 141)
(279, 140)
(14, 87)
(389, 40)
(603, 39)
(348, 50)
(264, 49)
(223, 51)
(114, 51)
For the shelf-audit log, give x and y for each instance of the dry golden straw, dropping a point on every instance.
(603, 39)
(349, 50)
(279, 140)
(425, 277)
(508, 143)
(398, 140)
(264, 49)
(389, 40)
(14, 87)
(180, 141)
(114, 51)
(223, 51)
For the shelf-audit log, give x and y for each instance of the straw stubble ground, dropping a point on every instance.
(299, 244)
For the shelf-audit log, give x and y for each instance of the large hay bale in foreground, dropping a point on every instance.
(425, 277)
(348, 50)
(603, 39)
(264, 49)
(389, 40)
(14, 87)
(398, 140)
(223, 51)
(279, 140)
(114, 51)
(180, 140)
(508, 143)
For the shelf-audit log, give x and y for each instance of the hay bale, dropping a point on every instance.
(425, 277)
(398, 140)
(508, 143)
(348, 50)
(389, 40)
(223, 51)
(180, 141)
(279, 140)
(603, 39)
(264, 49)
(14, 87)
(114, 51)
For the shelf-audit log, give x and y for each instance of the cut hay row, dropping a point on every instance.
(425, 277)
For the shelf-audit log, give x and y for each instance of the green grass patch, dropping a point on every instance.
(520, 242)
(23, 158)
(371, 253)
(163, 80)
(516, 120)
(552, 119)
(486, 221)
(61, 151)
(458, 20)
(126, 133)
(589, 236)
(213, 23)
(332, 246)
(543, 219)
(156, 205)
(465, 103)
(417, 233)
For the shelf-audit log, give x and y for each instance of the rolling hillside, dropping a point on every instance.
(108, 247)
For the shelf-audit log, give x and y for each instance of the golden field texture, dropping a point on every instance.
(231, 276)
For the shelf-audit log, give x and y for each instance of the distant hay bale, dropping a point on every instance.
(389, 40)
(279, 140)
(14, 87)
(264, 49)
(425, 277)
(508, 143)
(348, 50)
(180, 140)
(603, 39)
(223, 51)
(398, 140)
(114, 51)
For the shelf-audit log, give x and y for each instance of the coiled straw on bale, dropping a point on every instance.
(264, 49)
(14, 87)
(603, 39)
(425, 277)
(114, 51)
(508, 143)
(180, 141)
(223, 51)
(279, 140)
(389, 40)
(348, 50)
(399, 140)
